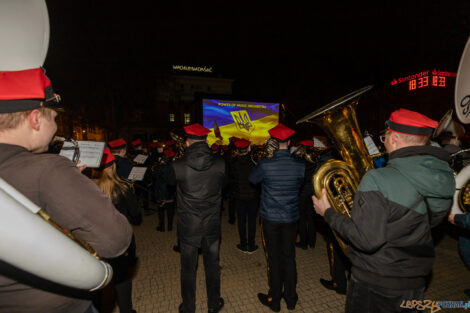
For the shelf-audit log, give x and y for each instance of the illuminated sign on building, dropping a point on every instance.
(186, 68)
(436, 78)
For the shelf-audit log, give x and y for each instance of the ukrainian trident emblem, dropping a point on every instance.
(242, 121)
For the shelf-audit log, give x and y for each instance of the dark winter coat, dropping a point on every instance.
(281, 178)
(123, 167)
(160, 187)
(240, 169)
(307, 187)
(389, 232)
(128, 205)
(199, 176)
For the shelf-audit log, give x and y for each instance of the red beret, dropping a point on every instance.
(308, 143)
(281, 132)
(242, 143)
(26, 90)
(169, 143)
(214, 147)
(233, 138)
(136, 142)
(196, 131)
(169, 152)
(116, 144)
(107, 159)
(411, 123)
(225, 147)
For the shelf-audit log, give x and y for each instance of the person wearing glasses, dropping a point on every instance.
(389, 232)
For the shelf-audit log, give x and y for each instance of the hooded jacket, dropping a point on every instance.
(395, 207)
(199, 177)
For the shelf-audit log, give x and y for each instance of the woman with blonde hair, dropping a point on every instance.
(125, 201)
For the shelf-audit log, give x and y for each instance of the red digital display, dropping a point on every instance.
(437, 81)
(436, 78)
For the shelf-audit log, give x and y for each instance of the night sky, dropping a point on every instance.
(303, 57)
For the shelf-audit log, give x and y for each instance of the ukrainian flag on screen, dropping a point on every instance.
(248, 120)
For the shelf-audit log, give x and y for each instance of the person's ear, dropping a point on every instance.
(34, 119)
(394, 139)
(187, 143)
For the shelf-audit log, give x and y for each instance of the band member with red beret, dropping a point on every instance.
(137, 145)
(28, 108)
(199, 177)
(125, 201)
(246, 196)
(281, 178)
(389, 232)
(118, 148)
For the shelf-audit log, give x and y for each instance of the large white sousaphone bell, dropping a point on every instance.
(462, 110)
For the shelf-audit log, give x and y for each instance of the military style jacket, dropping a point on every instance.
(395, 207)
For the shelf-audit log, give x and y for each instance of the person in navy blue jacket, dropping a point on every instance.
(281, 178)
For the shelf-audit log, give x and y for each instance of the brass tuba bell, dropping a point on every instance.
(341, 178)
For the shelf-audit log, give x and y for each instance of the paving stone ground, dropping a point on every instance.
(156, 285)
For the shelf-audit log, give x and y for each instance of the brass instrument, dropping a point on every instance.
(180, 144)
(461, 203)
(341, 178)
(236, 153)
(310, 154)
(464, 197)
(267, 151)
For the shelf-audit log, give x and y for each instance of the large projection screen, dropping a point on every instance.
(242, 119)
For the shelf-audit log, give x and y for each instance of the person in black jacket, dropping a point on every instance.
(118, 148)
(307, 232)
(338, 261)
(164, 195)
(199, 177)
(246, 196)
(126, 203)
(281, 178)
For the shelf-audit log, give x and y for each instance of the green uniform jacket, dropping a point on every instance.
(395, 207)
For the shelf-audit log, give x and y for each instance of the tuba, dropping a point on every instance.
(341, 178)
